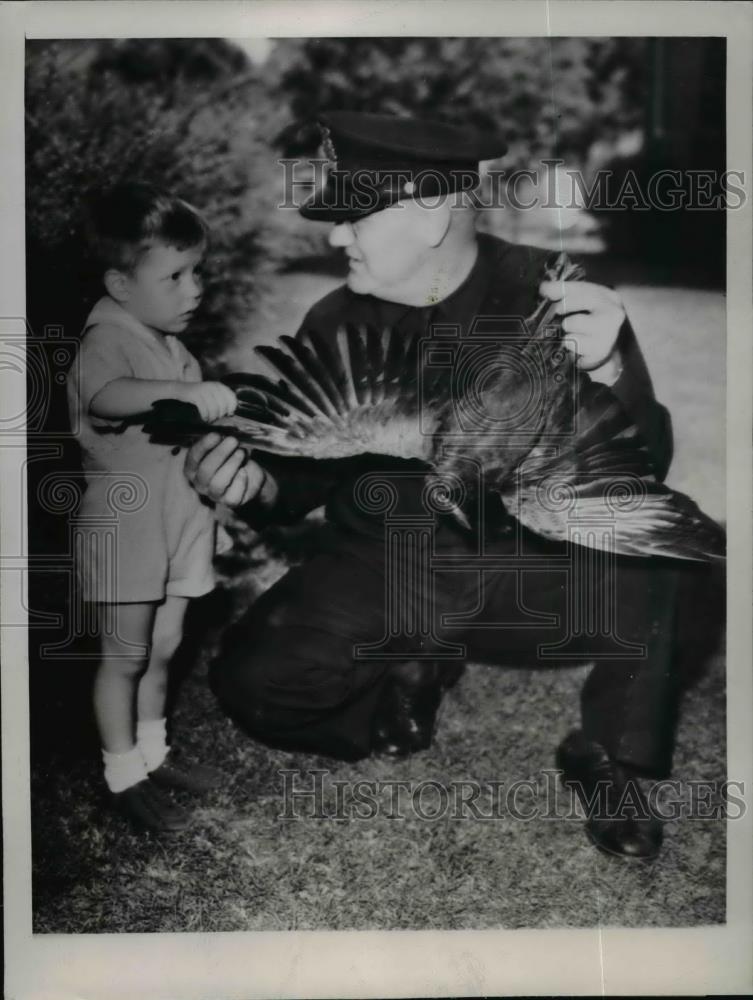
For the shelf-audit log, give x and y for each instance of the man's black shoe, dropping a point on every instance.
(404, 722)
(618, 817)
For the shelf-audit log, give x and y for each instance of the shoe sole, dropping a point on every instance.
(574, 784)
(622, 855)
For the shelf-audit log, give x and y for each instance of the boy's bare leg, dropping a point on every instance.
(151, 728)
(166, 634)
(125, 640)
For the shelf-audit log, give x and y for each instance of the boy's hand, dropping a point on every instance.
(212, 399)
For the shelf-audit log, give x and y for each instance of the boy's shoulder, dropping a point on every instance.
(107, 314)
(104, 333)
(111, 329)
(104, 345)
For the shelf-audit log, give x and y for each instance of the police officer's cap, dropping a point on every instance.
(377, 160)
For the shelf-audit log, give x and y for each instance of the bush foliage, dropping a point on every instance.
(547, 96)
(179, 114)
(197, 117)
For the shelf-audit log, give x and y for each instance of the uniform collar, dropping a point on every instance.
(455, 309)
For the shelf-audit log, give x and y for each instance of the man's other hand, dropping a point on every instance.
(218, 468)
(593, 316)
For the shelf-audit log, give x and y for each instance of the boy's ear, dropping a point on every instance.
(116, 284)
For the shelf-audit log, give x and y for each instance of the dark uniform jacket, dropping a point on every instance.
(503, 283)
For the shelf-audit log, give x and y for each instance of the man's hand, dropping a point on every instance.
(219, 468)
(593, 316)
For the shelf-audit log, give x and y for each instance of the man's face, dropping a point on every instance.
(385, 251)
(164, 289)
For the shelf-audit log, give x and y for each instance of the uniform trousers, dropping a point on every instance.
(305, 667)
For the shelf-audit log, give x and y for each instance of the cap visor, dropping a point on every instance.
(328, 205)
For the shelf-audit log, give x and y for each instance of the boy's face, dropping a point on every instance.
(164, 289)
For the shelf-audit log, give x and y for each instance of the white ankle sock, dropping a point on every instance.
(123, 769)
(151, 739)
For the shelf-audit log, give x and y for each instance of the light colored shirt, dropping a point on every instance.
(164, 533)
(117, 345)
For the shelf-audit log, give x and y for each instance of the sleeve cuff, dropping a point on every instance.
(609, 373)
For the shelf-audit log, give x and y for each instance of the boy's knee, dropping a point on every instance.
(123, 659)
(165, 644)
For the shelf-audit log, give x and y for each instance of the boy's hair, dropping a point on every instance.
(130, 218)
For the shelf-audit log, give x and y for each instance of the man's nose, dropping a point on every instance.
(341, 235)
(194, 286)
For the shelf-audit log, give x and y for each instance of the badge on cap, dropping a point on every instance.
(328, 147)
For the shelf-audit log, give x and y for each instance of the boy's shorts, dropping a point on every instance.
(140, 556)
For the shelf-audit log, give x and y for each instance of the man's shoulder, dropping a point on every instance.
(328, 305)
(512, 275)
(514, 260)
(341, 305)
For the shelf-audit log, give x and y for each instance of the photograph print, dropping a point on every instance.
(375, 461)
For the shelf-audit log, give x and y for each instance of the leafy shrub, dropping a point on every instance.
(185, 115)
(546, 96)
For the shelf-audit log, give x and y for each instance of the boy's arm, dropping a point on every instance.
(130, 397)
(102, 382)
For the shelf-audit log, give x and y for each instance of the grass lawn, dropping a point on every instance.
(243, 867)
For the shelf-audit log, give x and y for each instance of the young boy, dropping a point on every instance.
(149, 245)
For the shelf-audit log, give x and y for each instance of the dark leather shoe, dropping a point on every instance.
(186, 777)
(404, 722)
(618, 818)
(147, 808)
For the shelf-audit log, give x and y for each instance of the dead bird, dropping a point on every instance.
(557, 448)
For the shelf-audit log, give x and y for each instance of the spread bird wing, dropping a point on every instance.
(356, 394)
(601, 491)
(626, 515)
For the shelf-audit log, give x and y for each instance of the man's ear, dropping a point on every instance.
(116, 284)
(436, 222)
